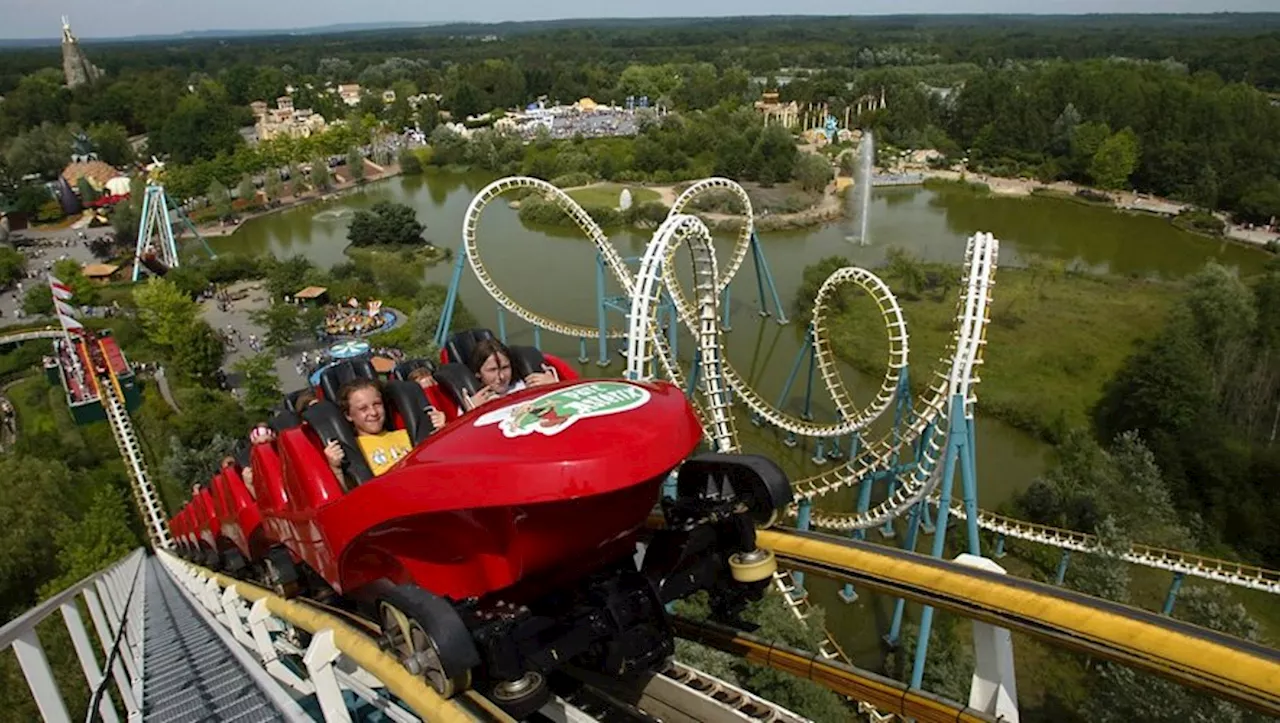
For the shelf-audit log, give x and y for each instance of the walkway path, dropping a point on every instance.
(162, 382)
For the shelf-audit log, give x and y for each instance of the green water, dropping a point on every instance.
(553, 272)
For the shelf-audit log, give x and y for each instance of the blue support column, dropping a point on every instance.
(803, 516)
(807, 415)
(848, 594)
(999, 551)
(1061, 575)
(954, 441)
(603, 313)
(909, 544)
(502, 324)
(762, 267)
(582, 350)
(450, 299)
(537, 338)
(1172, 597)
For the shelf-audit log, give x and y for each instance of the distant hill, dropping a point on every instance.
(1220, 22)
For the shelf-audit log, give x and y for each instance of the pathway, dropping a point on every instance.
(162, 382)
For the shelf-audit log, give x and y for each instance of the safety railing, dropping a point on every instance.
(337, 658)
(115, 600)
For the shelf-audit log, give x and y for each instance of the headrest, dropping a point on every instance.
(409, 400)
(285, 419)
(525, 360)
(458, 382)
(332, 378)
(459, 345)
(402, 370)
(326, 419)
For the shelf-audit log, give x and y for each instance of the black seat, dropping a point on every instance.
(284, 419)
(459, 346)
(332, 378)
(404, 368)
(409, 400)
(524, 359)
(326, 419)
(458, 382)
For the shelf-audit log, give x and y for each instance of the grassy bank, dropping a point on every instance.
(1053, 342)
(607, 194)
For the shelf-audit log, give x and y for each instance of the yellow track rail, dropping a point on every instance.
(887, 695)
(1230, 668)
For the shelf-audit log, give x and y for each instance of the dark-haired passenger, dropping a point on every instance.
(491, 363)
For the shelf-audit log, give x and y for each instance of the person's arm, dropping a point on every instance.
(335, 456)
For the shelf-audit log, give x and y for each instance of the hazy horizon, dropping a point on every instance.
(38, 19)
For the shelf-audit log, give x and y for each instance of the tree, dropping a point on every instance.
(220, 199)
(247, 192)
(200, 354)
(272, 187)
(13, 266)
(410, 165)
(111, 142)
(813, 171)
(282, 323)
(1115, 160)
(260, 383)
(167, 314)
(320, 174)
(33, 501)
(355, 165)
(385, 223)
(185, 464)
(100, 537)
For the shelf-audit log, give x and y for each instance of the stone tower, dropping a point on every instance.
(75, 66)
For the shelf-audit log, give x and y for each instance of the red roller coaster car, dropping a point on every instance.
(505, 544)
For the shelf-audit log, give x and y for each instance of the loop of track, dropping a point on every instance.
(928, 425)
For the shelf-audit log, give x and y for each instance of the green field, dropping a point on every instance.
(1052, 344)
(606, 194)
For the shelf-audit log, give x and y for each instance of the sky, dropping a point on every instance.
(123, 18)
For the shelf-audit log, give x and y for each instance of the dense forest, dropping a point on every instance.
(1174, 105)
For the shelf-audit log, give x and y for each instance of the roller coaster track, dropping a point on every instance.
(926, 426)
(675, 694)
(48, 332)
(144, 492)
(1208, 568)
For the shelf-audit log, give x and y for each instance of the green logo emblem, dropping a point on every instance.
(556, 411)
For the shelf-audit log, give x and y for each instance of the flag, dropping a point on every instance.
(70, 324)
(64, 309)
(60, 290)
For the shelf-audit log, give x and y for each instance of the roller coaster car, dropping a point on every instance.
(241, 537)
(456, 380)
(208, 529)
(503, 546)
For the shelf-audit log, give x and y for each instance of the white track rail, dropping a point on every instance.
(928, 425)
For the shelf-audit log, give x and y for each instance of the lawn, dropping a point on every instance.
(606, 194)
(1053, 342)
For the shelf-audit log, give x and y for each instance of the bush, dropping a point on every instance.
(410, 164)
(571, 180)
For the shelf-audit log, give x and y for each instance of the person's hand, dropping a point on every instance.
(437, 418)
(546, 376)
(483, 396)
(334, 454)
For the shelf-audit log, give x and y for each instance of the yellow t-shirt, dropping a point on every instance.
(383, 450)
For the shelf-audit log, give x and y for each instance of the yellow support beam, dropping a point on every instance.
(1230, 668)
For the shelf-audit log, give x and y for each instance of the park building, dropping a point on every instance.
(285, 121)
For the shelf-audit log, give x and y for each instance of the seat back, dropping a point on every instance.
(405, 403)
(326, 419)
(458, 347)
(525, 360)
(458, 383)
(332, 378)
(403, 369)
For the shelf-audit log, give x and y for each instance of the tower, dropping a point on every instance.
(75, 66)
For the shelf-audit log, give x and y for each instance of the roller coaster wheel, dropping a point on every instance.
(428, 637)
(521, 698)
(754, 566)
(280, 573)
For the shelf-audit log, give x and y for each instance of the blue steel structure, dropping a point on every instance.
(155, 229)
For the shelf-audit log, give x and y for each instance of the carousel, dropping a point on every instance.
(352, 319)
